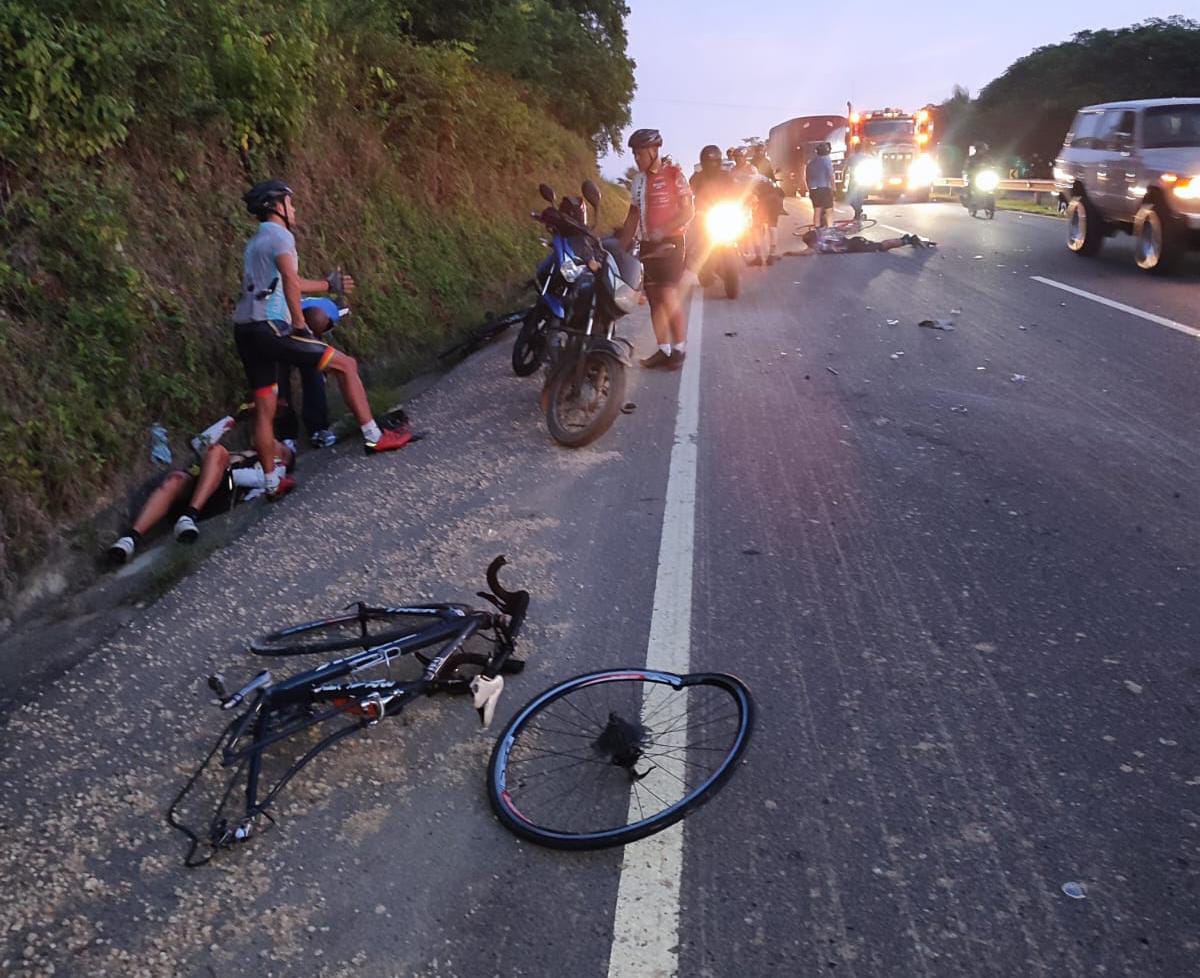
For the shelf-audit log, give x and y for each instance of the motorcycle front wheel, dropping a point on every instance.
(732, 277)
(579, 412)
(530, 342)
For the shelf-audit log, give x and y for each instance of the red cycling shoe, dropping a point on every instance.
(389, 441)
(286, 485)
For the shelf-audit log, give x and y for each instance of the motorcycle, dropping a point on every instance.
(724, 226)
(585, 359)
(980, 194)
(530, 346)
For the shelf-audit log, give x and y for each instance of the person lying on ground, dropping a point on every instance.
(268, 306)
(831, 241)
(222, 480)
(320, 316)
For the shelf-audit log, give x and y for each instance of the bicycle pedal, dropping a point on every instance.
(486, 693)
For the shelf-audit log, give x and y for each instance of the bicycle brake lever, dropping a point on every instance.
(486, 692)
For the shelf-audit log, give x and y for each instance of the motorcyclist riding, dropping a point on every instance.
(713, 240)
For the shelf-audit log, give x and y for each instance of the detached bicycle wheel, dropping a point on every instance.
(359, 627)
(611, 757)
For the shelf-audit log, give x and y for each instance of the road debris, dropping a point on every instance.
(893, 322)
(628, 407)
(1135, 688)
(1074, 890)
(959, 408)
(897, 355)
(160, 450)
(1018, 378)
(944, 324)
(733, 333)
(832, 371)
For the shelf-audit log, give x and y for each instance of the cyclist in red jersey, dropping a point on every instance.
(659, 213)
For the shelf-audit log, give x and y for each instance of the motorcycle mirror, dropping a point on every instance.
(547, 192)
(591, 193)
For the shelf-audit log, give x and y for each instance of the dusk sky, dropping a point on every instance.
(715, 72)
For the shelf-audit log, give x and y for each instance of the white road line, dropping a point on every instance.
(646, 924)
(1113, 304)
(892, 227)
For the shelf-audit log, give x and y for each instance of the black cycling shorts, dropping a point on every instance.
(264, 345)
(665, 271)
(821, 196)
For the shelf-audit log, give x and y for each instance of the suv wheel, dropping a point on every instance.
(1158, 239)
(1085, 227)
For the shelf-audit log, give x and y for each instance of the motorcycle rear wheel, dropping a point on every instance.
(577, 417)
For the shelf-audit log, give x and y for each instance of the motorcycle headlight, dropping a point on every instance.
(868, 171)
(726, 223)
(923, 171)
(570, 269)
(1188, 188)
(987, 180)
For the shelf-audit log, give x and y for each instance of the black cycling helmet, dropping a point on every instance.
(710, 155)
(645, 139)
(262, 197)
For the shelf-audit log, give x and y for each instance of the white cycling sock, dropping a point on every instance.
(371, 432)
(681, 347)
(665, 347)
(271, 480)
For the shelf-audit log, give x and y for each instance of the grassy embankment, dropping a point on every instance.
(122, 230)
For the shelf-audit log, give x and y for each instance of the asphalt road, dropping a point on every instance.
(966, 605)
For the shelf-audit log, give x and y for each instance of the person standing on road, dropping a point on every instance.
(819, 174)
(771, 196)
(751, 181)
(660, 210)
(268, 306)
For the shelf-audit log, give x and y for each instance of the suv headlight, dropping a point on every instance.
(1188, 188)
(570, 269)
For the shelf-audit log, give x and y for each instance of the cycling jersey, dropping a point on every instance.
(262, 298)
(658, 197)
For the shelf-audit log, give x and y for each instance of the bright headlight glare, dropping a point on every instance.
(1188, 189)
(1061, 175)
(987, 180)
(570, 268)
(726, 223)
(924, 171)
(869, 171)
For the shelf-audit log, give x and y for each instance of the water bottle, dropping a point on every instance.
(160, 450)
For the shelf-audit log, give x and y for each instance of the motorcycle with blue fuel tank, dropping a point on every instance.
(585, 287)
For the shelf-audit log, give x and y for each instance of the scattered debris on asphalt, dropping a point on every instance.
(160, 450)
(628, 407)
(981, 368)
(955, 312)
(897, 355)
(1074, 890)
(959, 409)
(979, 258)
(752, 552)
(733, 333)
(1022, 328)
(1018, 378)
(832, 371)
(893, 322)
(1135, 688)
(944, 324)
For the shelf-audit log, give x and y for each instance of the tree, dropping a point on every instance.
(1028, 109)
(626, 179)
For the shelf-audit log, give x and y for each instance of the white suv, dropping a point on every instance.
(1134, 167)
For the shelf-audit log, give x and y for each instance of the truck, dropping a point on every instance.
(893, 153)
(791, 144)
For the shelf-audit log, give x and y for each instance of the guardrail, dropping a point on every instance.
(947, 188)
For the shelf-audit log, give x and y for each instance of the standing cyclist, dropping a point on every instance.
(268, 306)
(659, 212)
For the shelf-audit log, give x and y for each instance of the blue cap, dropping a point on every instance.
(327, 306)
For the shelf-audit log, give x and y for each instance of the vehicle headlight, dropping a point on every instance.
(868, 171)
(987, 180)
(726, 223)
(923, 171)
(1188, 189)
(570, 269)
(1061, 175)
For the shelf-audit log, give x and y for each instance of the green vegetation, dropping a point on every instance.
(129, 130)
(1028, 109)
